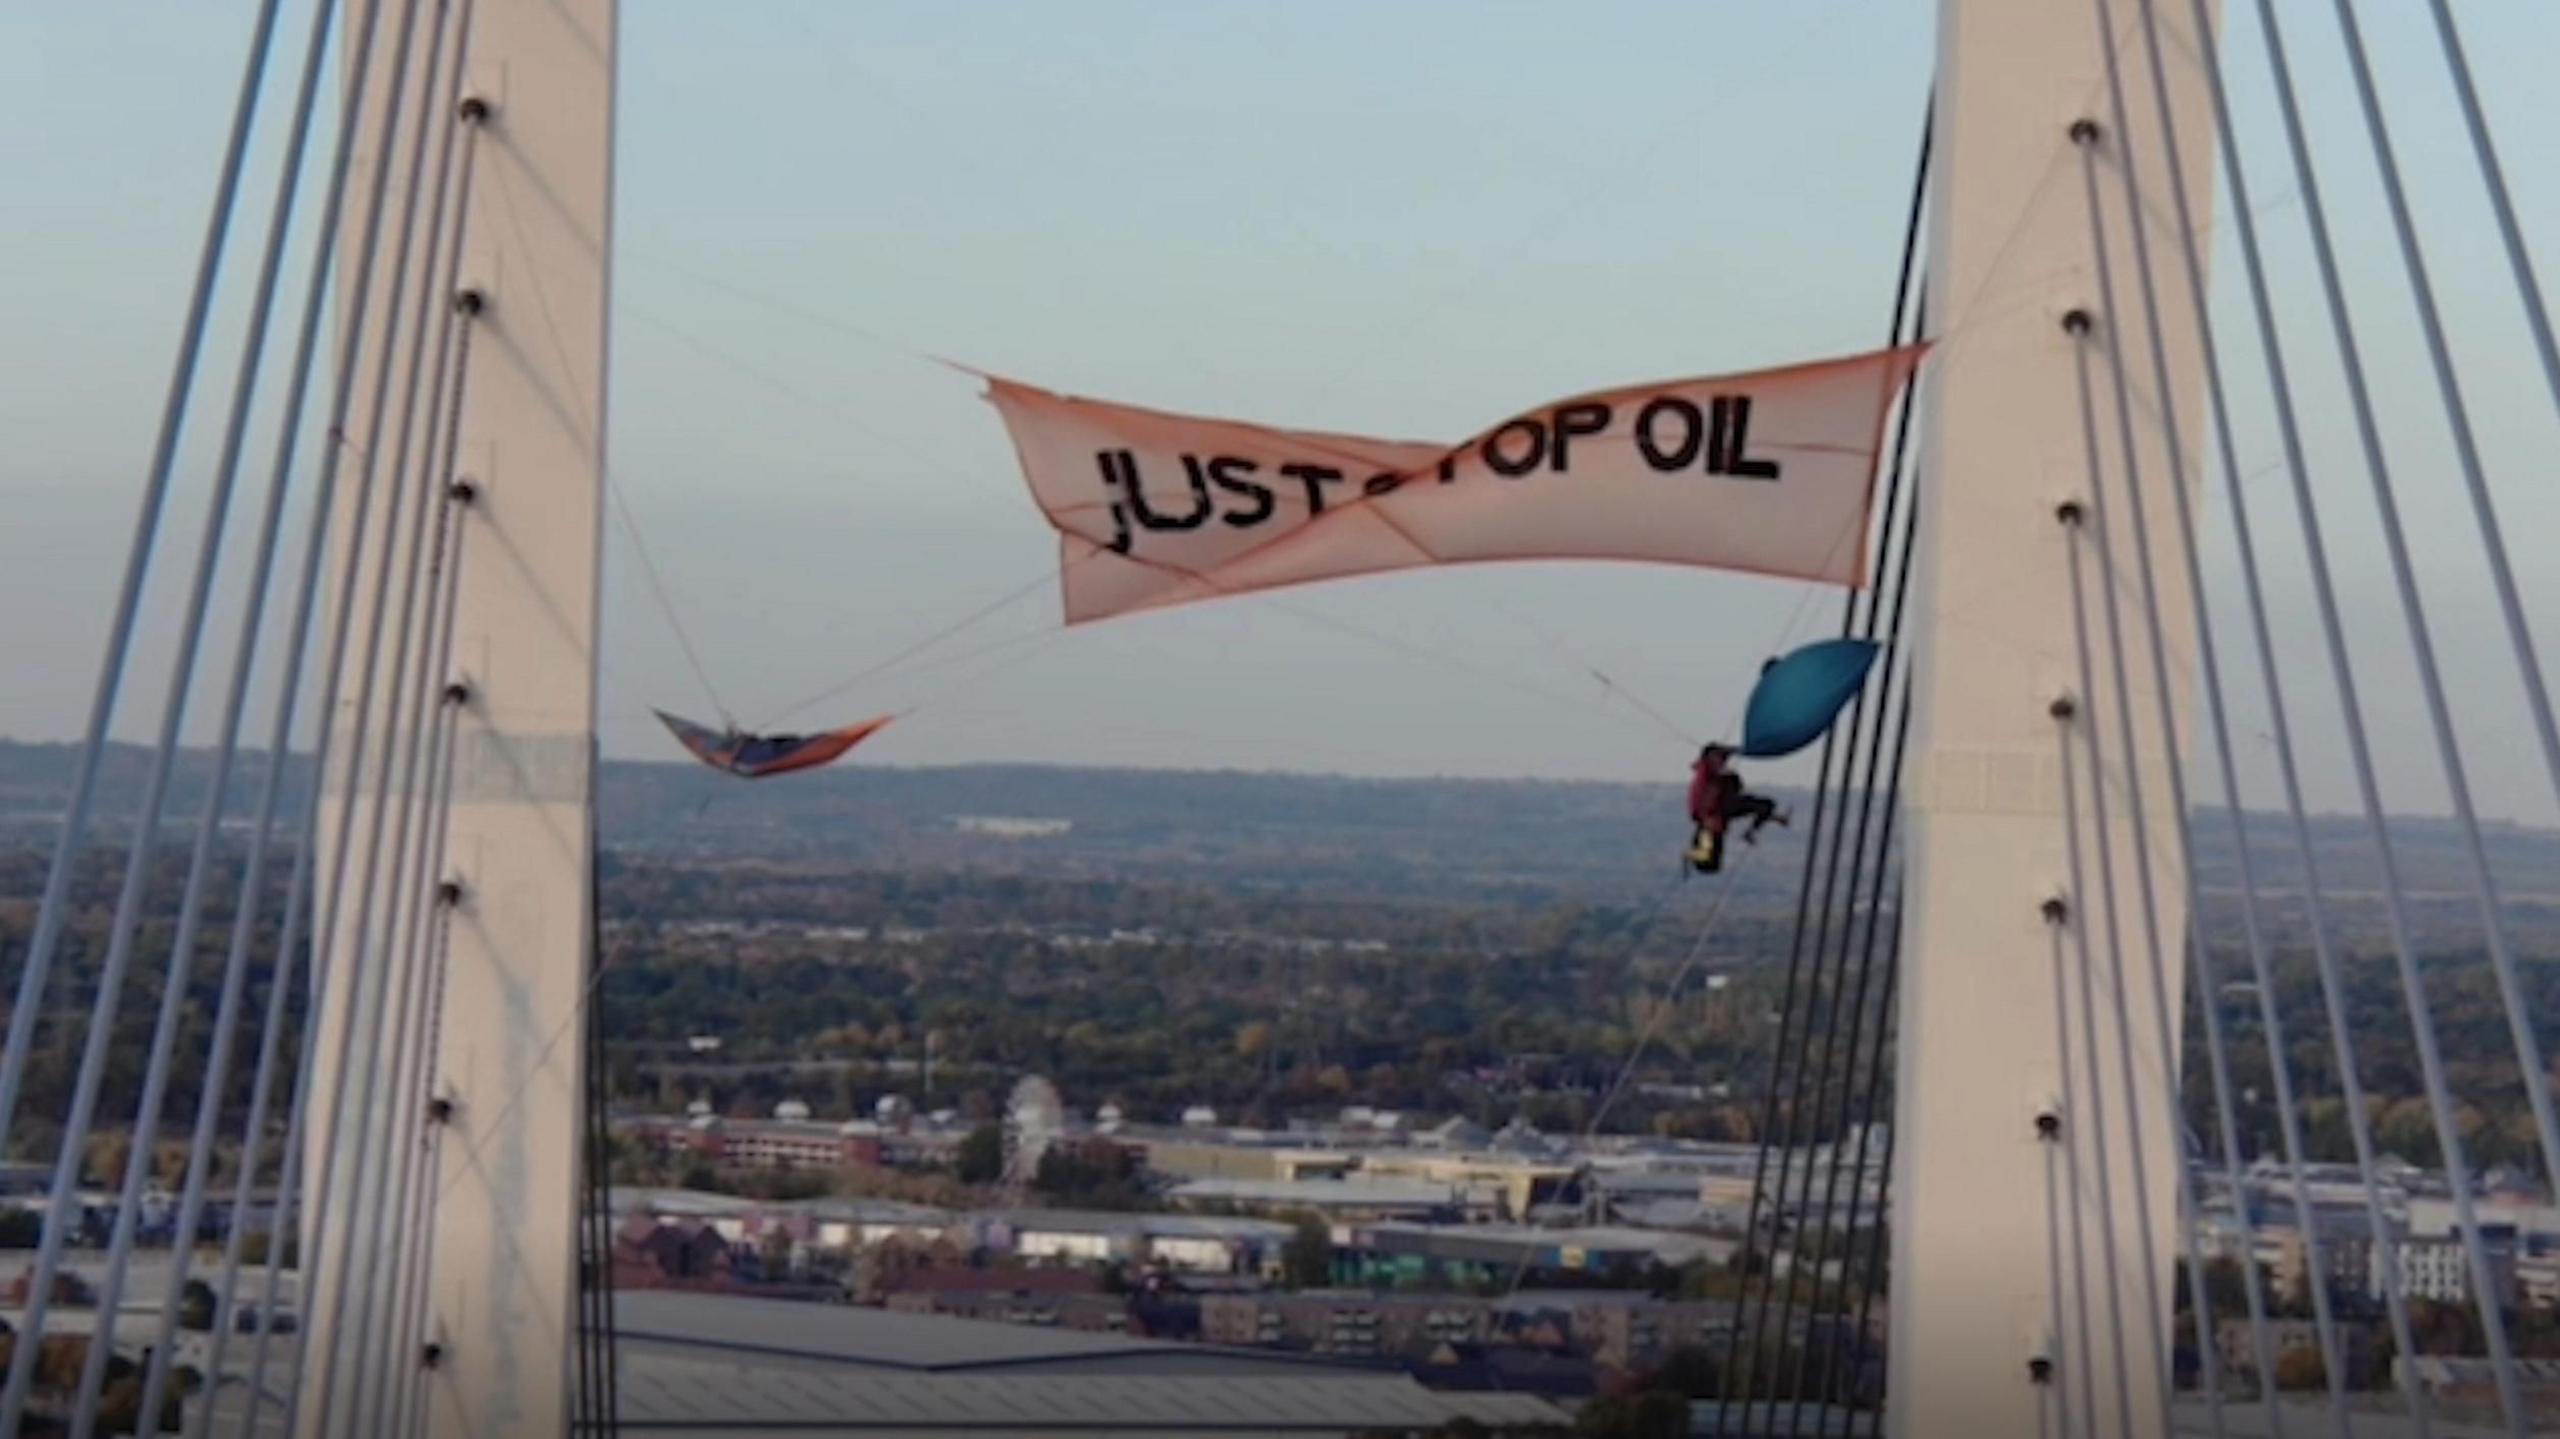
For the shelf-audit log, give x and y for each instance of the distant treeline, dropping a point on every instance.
(1460, 840)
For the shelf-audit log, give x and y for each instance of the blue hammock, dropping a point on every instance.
(1799, 696)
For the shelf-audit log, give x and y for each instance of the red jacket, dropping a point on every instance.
(1706, 778)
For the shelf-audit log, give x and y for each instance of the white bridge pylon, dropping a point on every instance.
(2035, 1121)
(481, 1342)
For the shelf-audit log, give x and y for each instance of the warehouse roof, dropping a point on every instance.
(683, 1396)
(808, 1335)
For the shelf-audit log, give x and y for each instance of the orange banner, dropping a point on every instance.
(1768, 472)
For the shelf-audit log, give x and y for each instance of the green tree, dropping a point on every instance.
(1691, 1371)
(1096, 1174)
(1306, 1262)
(2225, 1287)
(778, 1249)
(253, 1249)
(981, 1156)
(20, 1229)
(59, 1358)
(1653, 1414)
(120, 1408)
(1253, 1039)
(2299, 1368)
(105, 1157)
(196, 1306)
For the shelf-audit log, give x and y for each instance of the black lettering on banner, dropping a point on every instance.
(1735, 461)
(1382, 483)
(1314, 477)
(1719, 435)
(1690, 430)
(1120, 534)
(1448, 467)
(1227, 472)
(1583, 417)
(1147, 517)
(1506, 466)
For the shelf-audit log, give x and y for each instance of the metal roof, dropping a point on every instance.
(732, 1328)
(680, 1202)
(1510, 1241)
(870, 1211)
(1132, 1224)
(1393, 1194)
(661, 1394)
(846, 1333)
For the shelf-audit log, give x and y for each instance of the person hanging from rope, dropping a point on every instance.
(1792, 704)
(1716, 799)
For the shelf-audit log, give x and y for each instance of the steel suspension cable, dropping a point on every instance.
(61, 1209)
(2153, 1312)
(2271, 1019)
(1894, 771)
(290, 1201)
(2085, 138)
(36, 968)
(2493, 545)
(2421, 1011)
(1899, 536)
(1876, 1247)
(421, 948)
(604, 1224)
(403, 1100)
(424, 1122)
(411, 1315)
(371, 949)
(584, 1405)
(1791, 1116)
(246, 907)
(1858, 1006)
(2102, 827)
(595, 1275)
(2494, 177)
(1821, 1001)
(377, 920)
(182, 946)
(2060, 1370)
(2207, 981)
(298, 889)
(596, 1271)
(1903, 302)
(330, 932)
(253, 1138)
(2068, 1125)
(1769, 1099)
(424, 712)
(400, 1226)
(2071, 721)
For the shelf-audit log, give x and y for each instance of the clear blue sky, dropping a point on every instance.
(1406, 218)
